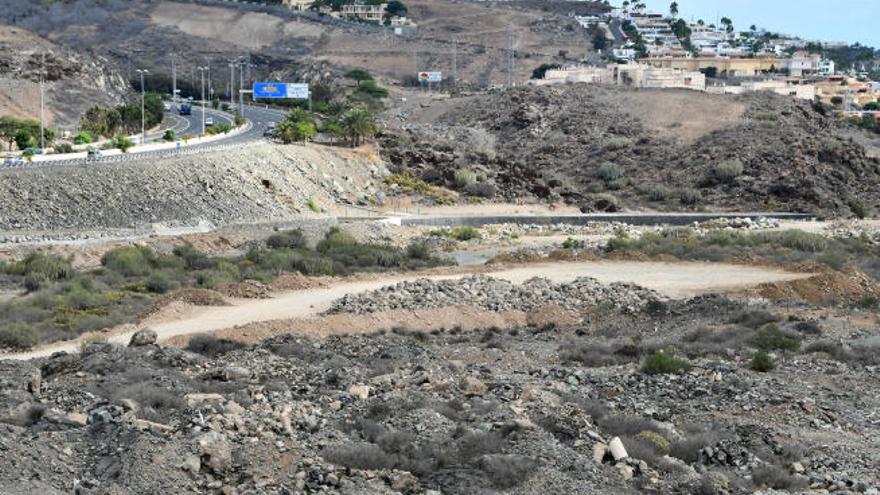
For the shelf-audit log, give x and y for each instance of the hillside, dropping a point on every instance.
(74, 80)
(607, 148)
(281, 44)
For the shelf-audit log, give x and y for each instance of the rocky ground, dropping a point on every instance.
(604, 148)
(533, 409)
(259, 183)
(74, 80)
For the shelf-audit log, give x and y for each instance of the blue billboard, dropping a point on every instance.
(281, 90)
(270, 90)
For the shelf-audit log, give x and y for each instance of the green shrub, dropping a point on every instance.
(661, 363)
(659, 442)
(465, 178)
(609, 172)
(192, 258)
(62, 148)
(606, 202)
(770, 338)
(658, 193)
(858, 209)
(122, 142)
(418, 250)
(618, 143)
(40, 270)
(130, 261)
(795, 239)
(313, 205)
(17, 335)
(335, 238)
(761, 362)
(569, 243)
(84, 137)
(728, 170)
(689, 196)
(169, 135)
(292, 239)
(160, 283)
(465, 233)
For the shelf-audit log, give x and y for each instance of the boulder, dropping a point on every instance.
(472, 387)
(618, 451)
(146, 336)
(215, 451)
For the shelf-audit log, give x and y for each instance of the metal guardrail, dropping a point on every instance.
(146, 155)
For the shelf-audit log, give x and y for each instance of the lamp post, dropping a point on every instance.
(143, 106)
(202, 72)
(232, 86)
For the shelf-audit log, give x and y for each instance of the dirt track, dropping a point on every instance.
(675, 280)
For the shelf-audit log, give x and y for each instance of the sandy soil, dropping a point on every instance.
(669, 279)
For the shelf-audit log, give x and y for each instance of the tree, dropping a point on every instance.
(359, 124)
(625, 5)
(396, 8)
(542, 69)
(727, 23)
(673, 9)
(753, 28)
(599, 41)
(359, 75)
(701, 23)
(24, 140)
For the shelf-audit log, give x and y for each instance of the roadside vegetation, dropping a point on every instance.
(60, 303)
(110, 121)
(789, 246)
(23, 133)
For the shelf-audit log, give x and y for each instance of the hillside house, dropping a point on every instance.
(364, 12)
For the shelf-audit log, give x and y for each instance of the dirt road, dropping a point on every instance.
(674, 280)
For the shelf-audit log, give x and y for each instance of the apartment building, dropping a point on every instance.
(364, 12)
(634, 75)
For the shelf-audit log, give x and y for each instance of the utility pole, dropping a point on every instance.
(202, 72)
(232, 85)
(143, 107)
(454, 63)
(173, 77)
(510, 56)
(241, 86)
(42, 120)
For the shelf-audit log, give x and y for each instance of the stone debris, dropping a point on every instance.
(496, 295)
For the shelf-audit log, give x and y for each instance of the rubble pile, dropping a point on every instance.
(495, 295)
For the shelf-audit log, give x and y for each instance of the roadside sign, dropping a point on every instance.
(429, 77)
(298, 91)
(281, 90)
(270, 90)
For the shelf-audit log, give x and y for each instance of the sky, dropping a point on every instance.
(835, 20)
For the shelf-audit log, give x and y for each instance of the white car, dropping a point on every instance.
(167, 106)
(209, 121)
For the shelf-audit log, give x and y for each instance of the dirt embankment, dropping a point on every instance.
(605, 148)
(257, 183)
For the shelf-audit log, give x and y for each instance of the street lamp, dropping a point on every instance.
(232, 86)
(143, 106)
(202, 72)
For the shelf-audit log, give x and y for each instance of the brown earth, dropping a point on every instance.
(549, 143)
(847, 287)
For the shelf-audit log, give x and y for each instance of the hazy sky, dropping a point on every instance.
(836, 20)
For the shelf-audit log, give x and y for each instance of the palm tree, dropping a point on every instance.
(728, 24)
(625, 5)
(359, 124)
(673, 9)
(701, 23)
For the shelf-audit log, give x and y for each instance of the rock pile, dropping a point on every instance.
(495, 295)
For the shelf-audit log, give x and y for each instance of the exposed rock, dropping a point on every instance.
(146, 336)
